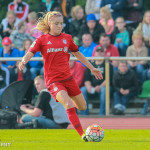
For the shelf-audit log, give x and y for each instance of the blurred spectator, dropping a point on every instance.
(93, 7)
(144, 28)
(35, 67)
(115, 7)
(122, 36)
(77, 71)
(47, 112)
(109, 49)
(125, 84)
(25, 74)
(32, 21)
(18, 36)
(106, 20)
(94, 87)
(20, 8)
(8, 51)
(9, 24)
(93, 27)
(138, 49)
(88, 45)
(78, 20)
(66, 6)
(133, 10)
(4, 79)
(49, 5)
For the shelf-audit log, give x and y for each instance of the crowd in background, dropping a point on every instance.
(104, 28)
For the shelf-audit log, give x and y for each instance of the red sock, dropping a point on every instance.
(72, 116)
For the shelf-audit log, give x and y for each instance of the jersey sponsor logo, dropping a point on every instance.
(64, 41)
(49, 42)
(50, 50)
(65, 49)
(32, 45)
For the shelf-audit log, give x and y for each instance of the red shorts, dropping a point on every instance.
(70, 86)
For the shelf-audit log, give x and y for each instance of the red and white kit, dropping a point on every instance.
(54, 50)
(21, 9)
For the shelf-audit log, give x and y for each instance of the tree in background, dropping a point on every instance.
(35, 3)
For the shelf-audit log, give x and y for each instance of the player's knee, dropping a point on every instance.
(69, 105)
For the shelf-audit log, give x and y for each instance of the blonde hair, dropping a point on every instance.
(39, 77)
(74, 11)
(105, 10)
(144, 17)
(43, 22)
(21, 23)
(33, 15)
(137, 35)
(11, 13)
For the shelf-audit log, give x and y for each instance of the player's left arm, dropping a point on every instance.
(96, 72)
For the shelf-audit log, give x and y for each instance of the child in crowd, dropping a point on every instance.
(106, 20)
(32, 20)
(18, 36)
(121, 36)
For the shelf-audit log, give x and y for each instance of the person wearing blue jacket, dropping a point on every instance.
(8, 51)
(88, 45)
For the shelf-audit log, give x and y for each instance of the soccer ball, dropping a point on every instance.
(94, 133)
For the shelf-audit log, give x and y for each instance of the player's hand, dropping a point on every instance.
(97, 73)
(21, 66)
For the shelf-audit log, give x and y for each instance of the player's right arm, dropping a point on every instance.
(25, 60)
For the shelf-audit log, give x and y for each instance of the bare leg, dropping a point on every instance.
(79, 102)
(66, 101)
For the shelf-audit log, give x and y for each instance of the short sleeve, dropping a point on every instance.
(35, 46)
(43, 100)
(72, 46)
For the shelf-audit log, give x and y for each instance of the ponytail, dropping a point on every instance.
(43, 22)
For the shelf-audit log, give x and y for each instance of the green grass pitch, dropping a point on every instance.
(33, 139)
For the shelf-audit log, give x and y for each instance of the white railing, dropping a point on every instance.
(107, 60)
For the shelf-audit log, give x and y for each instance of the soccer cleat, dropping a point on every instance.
(84, 138)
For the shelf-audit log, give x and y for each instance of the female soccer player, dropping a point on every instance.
(54, 46)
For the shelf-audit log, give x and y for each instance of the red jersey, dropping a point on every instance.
(54, 50)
